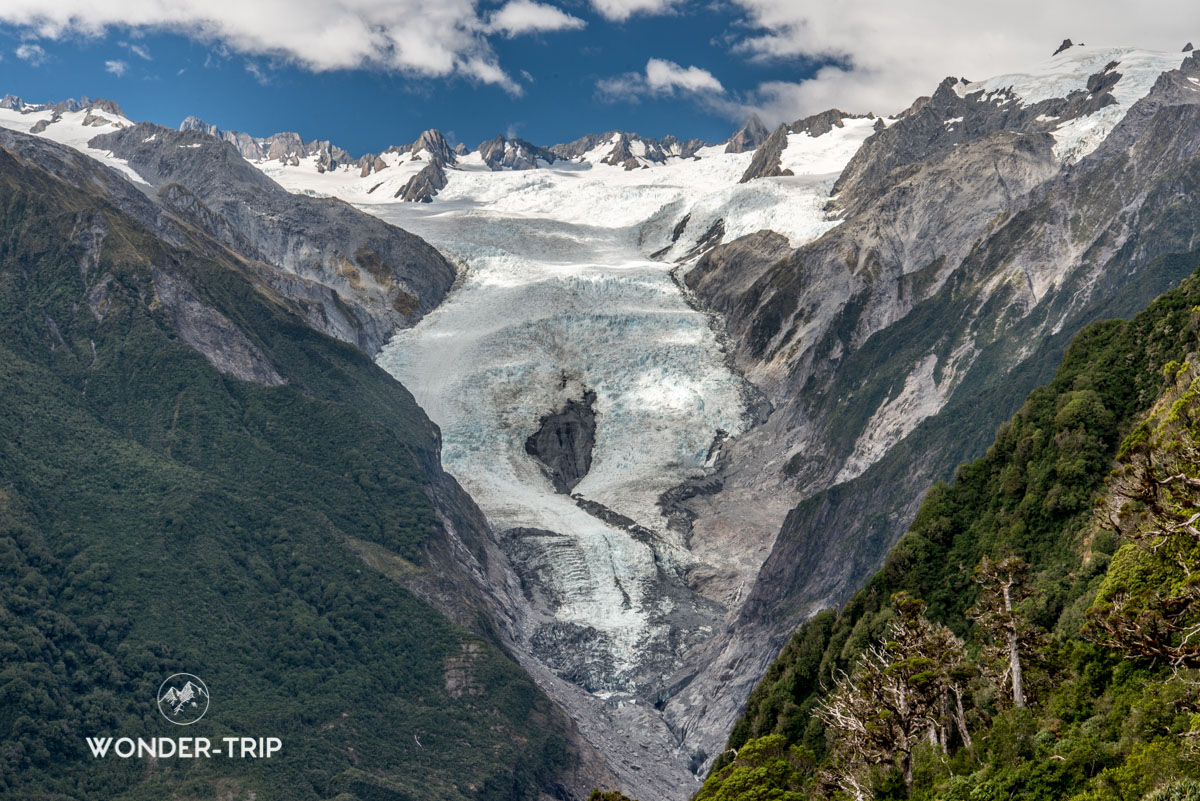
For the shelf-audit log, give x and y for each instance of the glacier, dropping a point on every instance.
(545, 310)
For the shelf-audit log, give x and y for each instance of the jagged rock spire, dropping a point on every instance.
(752, 134)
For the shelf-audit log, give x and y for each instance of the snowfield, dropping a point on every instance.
(1068, 72)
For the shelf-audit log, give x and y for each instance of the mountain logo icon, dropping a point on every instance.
(183, 699)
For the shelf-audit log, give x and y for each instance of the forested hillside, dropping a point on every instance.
(1032, 636)
(159, 514)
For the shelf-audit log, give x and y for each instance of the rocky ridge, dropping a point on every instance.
(973, 243)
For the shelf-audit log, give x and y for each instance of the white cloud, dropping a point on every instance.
(621, 10)
(423, 37)
(661, 77)
(894, 52)
(138, 50)
(667, 76)
(32, 53)
(258, 73)
(525, 16)
(116, 67)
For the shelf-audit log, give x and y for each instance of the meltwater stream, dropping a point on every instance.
(546, 311)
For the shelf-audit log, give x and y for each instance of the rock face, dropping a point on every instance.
(503, 153)
(978, 234)
(209, 331)
(287, 146)
(652, 150)
(824, 122)
(766, 157)
(752, 134)
(356, 277)
(563, 442)
(424, 185)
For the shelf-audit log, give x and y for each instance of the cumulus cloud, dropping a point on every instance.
(116, 67)
(667, 76)
(883, 54)
(621, 10)
(661, 77)
(525, 16)
(32, 53)
(423, 37)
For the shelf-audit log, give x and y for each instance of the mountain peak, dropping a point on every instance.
(1067, 44)
(752, 134)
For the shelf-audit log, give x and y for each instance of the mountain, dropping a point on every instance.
(195, 479)
(971, 246)
(1102, 721)
(696, 390)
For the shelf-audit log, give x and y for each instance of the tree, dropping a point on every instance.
(1004, 633)
(895, 697)
(764, 769)
(1149, 603)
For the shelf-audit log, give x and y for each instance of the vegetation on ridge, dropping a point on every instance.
(1099, 641)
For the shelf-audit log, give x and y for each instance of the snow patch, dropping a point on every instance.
(69, 130)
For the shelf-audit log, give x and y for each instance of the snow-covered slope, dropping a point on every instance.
(587, 191)
(1069, 72)
(72, 128)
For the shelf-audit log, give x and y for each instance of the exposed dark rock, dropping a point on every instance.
(502, 153)
(1023, 251)
(824, 122)
(680, 227)
(369, 163)
(621, 154)
(656, 150)
(1187, 48)
(287, 147)
(1067, 44)
(433, 143)
(766, 161)
(424, 185)
(563, 442)
(752, 134)
(925, 131)
(708, 240)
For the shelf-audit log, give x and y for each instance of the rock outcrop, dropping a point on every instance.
(503, 153)
(563, 442)
(424, 185)
(972, 246)
(752, 134)
(766, 162)
(356, 277)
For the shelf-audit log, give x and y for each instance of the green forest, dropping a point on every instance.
(1034, 635)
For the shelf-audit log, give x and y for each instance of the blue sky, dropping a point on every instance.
(366, 74)
(367, 109)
